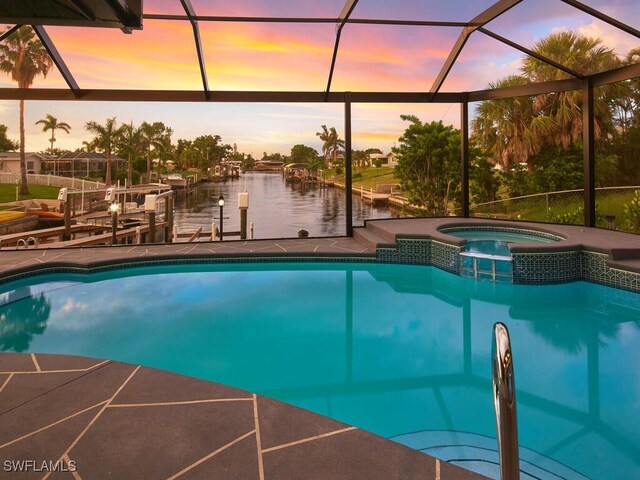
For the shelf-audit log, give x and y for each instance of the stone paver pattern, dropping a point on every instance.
(75, 417)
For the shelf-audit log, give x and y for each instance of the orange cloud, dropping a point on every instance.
(162, 56)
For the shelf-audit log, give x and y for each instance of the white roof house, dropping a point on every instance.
(10, 162)
(389, 159)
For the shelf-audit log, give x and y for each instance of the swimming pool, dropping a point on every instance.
(400, 350)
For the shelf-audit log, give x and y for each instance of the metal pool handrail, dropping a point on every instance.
(504, 402)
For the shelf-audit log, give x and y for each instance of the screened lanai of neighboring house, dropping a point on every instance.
(363, 57)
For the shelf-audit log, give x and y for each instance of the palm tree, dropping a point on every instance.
(325, 136)
(585, 55)
(336, 144)
(508, 128)
(51, 123)
(153, 135)
(105, 137)
(129, 143)
(23, 56)
(331, 143)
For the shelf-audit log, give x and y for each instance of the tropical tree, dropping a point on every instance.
(105, 138)
(51, 123)
(23, 57)
(360, 158)
(303, 154)
(164, 152)
(129, 144)
(585, 55)
(325, 136)
(509, 129)
(429, 164)
(515, 129)
(153, 136)
(331, 143)
(184, 154)
(210, 150)
(6, 144)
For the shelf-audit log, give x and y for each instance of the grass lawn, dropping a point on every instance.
(535, 208)
(8, 192)
(368, 178)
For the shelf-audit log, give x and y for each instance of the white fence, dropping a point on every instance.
(53, 180)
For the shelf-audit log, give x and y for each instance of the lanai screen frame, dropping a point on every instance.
(584, 83)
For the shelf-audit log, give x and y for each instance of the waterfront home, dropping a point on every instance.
(10, 162)
(85, 164)
(388, 160)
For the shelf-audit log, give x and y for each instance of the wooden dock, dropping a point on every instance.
(46, 234)
(372, 198)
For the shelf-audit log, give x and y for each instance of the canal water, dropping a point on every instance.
(278, 209)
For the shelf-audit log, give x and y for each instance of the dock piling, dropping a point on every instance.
(67, 221)
(152, 227)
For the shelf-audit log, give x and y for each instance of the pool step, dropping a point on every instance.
(479, 453)
(377, 229)
(371, 238)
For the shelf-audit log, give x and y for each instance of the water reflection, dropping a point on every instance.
(277, 208)
(22, 316)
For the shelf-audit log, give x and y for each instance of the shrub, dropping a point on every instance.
(574, 218)
(632, 213)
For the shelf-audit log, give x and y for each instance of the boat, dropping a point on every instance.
(10, 215)
(45, 214)
(175, 181)
(12, 221)
(297, 172)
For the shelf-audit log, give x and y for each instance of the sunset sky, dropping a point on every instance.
(259, 56)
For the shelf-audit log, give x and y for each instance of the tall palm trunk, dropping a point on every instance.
(53, 139)
(24, 188)
(108, 174)
(149, 165)
(130, 172)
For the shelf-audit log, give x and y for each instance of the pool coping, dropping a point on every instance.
(112, 420)
(602, 256)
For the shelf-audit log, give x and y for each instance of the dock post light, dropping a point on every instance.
(221, 205)
(243, 205)
(114, 208)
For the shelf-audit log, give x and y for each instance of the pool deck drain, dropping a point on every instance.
(99, 419)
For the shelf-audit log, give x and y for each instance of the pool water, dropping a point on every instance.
(504, 236)
(400, 350)
(494, 242)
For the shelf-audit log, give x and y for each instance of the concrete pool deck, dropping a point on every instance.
(110, 420)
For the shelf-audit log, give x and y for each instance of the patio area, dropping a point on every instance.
(99, 419)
